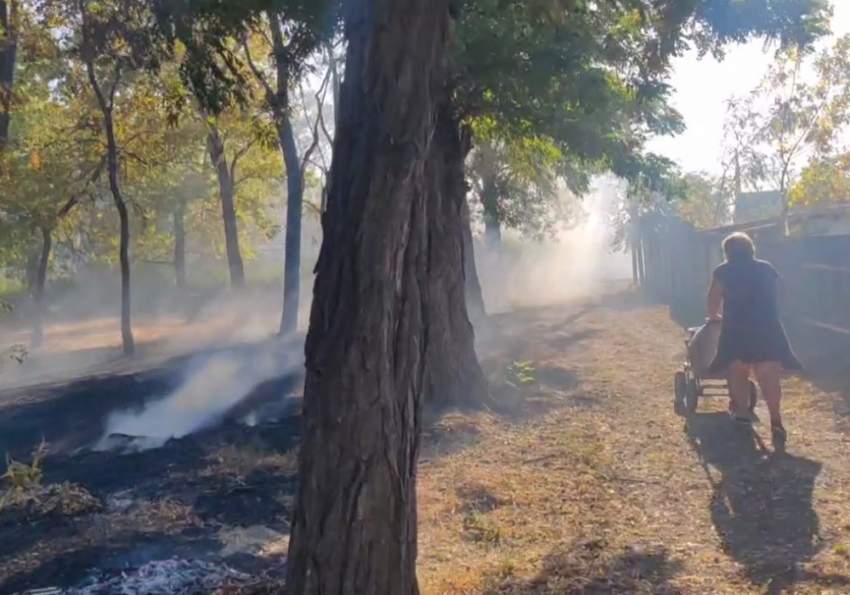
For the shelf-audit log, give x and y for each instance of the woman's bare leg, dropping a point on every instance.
(769, 376)
(739, 388)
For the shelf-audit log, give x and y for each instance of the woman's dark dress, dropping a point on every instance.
(751, 330)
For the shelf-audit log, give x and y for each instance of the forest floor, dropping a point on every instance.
(598, 486)
(584, 480)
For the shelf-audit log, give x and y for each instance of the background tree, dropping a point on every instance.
(289, 53)
(518, 183)
(824, 181)
(788, 119)
(704, 201)
(10, 26)
(52, 159)
(102, 45)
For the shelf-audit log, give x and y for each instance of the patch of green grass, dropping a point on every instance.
(480, 528)
(521, 373)
(22, 477)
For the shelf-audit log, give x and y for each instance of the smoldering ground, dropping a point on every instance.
(198, 435)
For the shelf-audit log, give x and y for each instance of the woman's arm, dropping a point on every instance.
(715, 299)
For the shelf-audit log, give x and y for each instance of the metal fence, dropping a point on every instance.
(677, 261)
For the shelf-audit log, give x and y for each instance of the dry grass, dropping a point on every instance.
(586, 482)
(601, 488)
(98, 333)
(241, 461)
(73, 350)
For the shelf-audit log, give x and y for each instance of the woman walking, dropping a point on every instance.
(752, 338)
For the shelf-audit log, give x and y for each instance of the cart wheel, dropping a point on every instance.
(754, 396)
(692, 396)
(680, 385)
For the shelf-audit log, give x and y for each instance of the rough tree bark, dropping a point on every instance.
(227, 198)
(455, 378)
(294, 181)
(40, 282)
(354, 526)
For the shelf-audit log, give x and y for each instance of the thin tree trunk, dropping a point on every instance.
(294, 183)
(635, 272)
(292, 240)
(227, 198)
(492, 231)
(332, 64)
(40, 281)
(180, 245)
(641, 263)
(492, 222)
(354, 527)
(124, 237)
(31, 271)
(8, 58)
(455, 378)
(474, 295)
(335, 90)
(106, 107)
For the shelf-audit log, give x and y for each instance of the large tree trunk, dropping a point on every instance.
(37, 338)
(294, 183)
(178, 217)
(354, 526)
(227, 198)
(124, 233)
(455, 378)
(8, 58)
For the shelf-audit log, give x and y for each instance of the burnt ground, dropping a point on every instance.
(109, 511)
(587, 481)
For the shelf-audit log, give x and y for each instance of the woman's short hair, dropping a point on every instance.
(738, 246)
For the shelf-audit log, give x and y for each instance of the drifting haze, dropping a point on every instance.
(214, 384)
(232, 334)
(578, 263)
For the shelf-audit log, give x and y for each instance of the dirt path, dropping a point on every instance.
(597, 486)
(581, 481)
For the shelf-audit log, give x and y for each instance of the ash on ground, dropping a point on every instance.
(167, 577)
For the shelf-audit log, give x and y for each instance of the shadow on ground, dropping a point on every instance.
(591, 568)
(825, 354)
(761, 505)
(507, 341)
(826, 360)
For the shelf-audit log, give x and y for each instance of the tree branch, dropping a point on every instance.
(239, 154)
(258, 74)
(319, 96)
(75, 198)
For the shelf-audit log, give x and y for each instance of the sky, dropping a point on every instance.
(701, 88)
